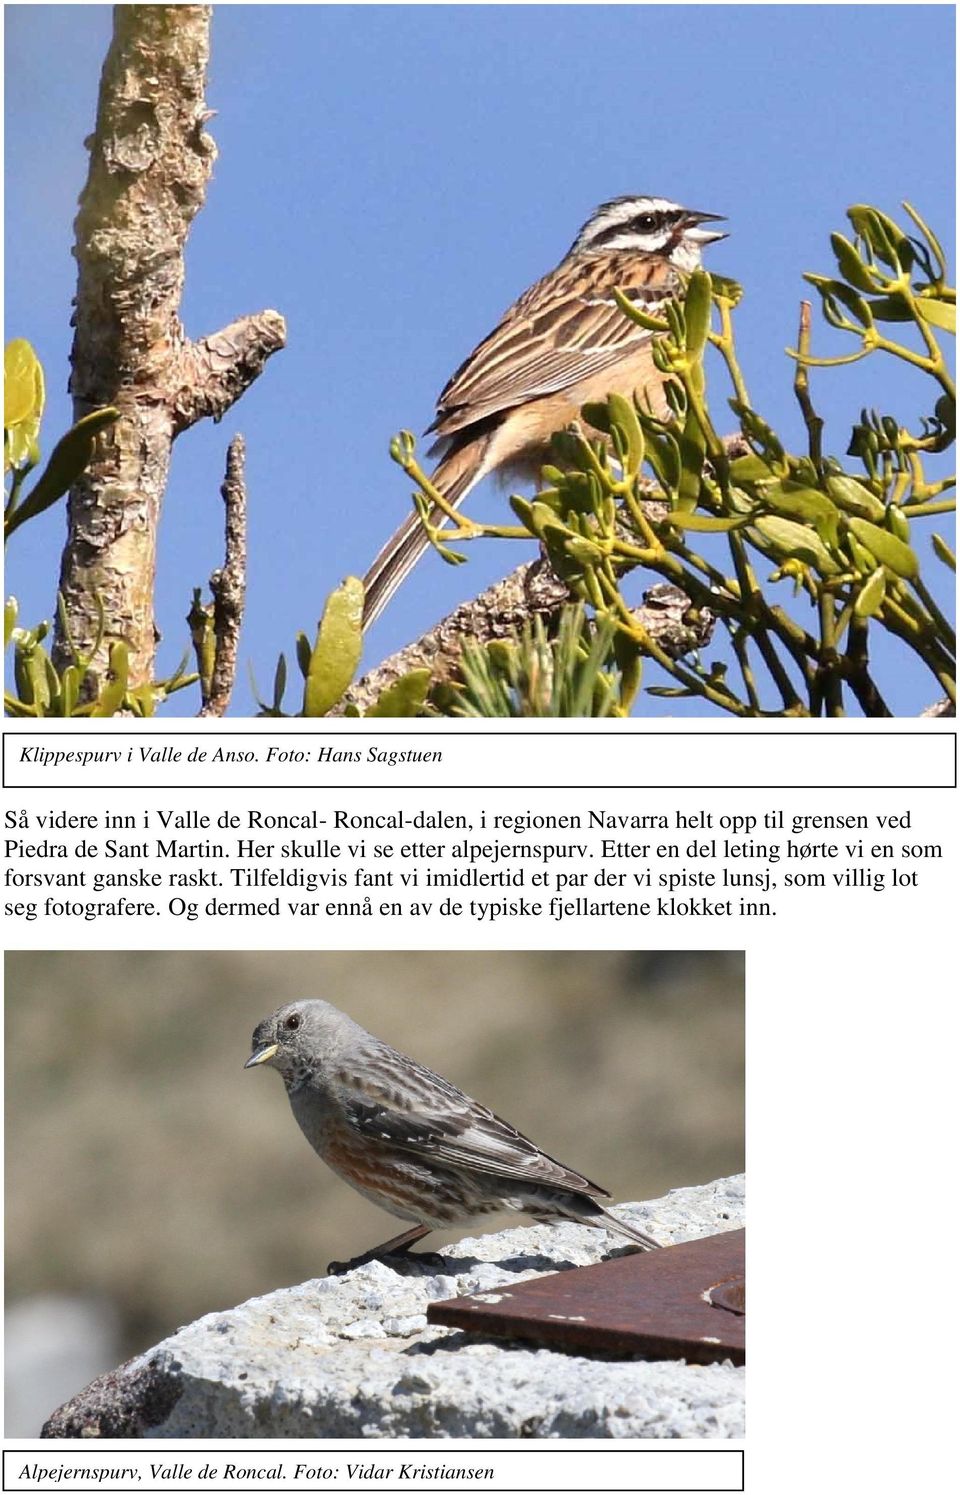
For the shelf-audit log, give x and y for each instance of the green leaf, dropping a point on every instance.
(280, 682)
(869, 599)
(336, 654)
(725, 289)
(34, 684)
(143, 699)
(783, 540)
(22, 384)
(798, 502)
(69, 458)
(10, 609)
(750, 469)
(938, 313)
(69, 689)
(936, 248)
(554, 498)
(757, 431)
(23, 396)
(898, 524)
(708, 524)
(663, 455)
(402, 447)
(303, 654)
(885, 547)
(523, 509)
(692, 447)
(623, 420)
(596, 413)
(892, 308)
(503, 654)
(636, 314)
(543, 518)
(943, 552)
(585, 552)
(834, 291)
(696, 308)
(889, 243)
(405, 697)
(111, 696)
(849, 495)
(854, 302)
(851, 265)
(630, 661)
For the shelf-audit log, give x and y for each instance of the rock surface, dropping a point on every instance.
(353, 1356)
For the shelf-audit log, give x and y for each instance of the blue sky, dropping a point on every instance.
(391, 177)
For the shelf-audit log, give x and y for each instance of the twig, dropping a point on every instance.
(801, 388)
(858, 673)
(228, 585)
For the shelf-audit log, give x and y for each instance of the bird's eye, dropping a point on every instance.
(646, 223)
(292, 1022)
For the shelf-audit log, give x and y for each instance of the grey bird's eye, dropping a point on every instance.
(292, 1022)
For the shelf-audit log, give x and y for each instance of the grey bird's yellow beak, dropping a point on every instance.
(262, 1055)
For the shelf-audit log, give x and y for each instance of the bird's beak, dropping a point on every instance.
(704, 235)
(262, 1055)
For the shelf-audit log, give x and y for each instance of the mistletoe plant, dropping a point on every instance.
(844, 537)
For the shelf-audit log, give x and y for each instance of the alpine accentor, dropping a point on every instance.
(409, 1140)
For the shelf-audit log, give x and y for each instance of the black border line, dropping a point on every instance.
(106, 1455)
(436, 741)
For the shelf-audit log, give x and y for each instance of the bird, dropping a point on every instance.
(563, 343)
(409, 1140)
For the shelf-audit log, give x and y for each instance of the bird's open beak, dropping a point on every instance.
(704, 235)
(262, 1055)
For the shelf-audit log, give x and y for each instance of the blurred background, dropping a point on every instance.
(149, 1180)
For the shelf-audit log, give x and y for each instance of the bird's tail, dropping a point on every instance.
(584, 1210)
(455, 475)
(645, 1242)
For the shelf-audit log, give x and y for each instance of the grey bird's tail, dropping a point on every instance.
(645, 1242)
(586, 1211)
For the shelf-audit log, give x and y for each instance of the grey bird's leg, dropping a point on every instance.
(398, 1246)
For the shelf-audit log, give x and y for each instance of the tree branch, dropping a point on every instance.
(150, 161)
(213, 372)
(501, 611)
(229, 584)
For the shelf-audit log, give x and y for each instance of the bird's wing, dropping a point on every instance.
(433, 1119)
(561, 330)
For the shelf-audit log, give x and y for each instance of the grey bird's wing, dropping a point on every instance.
(435, 1120)
(429, 1117)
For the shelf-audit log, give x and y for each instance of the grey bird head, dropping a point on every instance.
(301, 1038)
(648, 225)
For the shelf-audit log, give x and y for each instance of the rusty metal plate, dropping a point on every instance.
(683, 1302)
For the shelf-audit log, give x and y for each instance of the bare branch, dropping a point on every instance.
(212, 373)
(229, 584)
(501, 611)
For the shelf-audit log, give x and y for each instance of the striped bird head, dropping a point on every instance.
(648, 225)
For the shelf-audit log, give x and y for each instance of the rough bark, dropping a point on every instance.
(150, 161)
(532, 590)
(229, 584)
